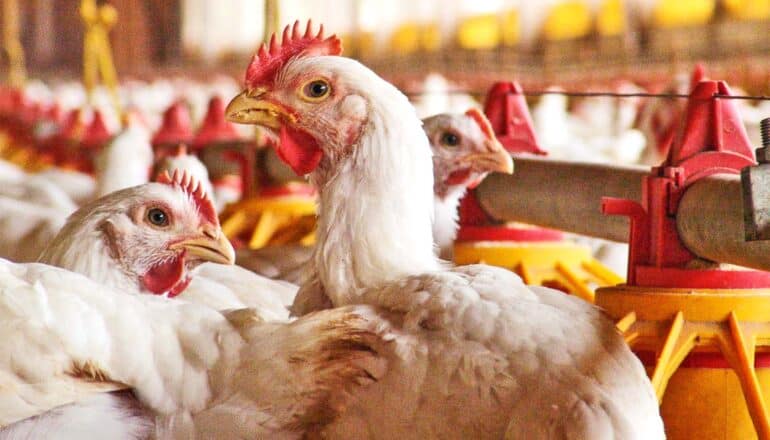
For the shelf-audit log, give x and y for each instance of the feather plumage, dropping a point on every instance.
(477, 347)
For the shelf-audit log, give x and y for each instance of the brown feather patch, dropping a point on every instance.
(344, 359)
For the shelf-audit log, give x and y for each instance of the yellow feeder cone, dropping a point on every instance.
(285, 218)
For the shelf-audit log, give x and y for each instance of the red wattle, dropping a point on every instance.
(458, 177)
(166, 277)
(299, 150)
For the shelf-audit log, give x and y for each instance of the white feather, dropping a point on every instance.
(482, 355)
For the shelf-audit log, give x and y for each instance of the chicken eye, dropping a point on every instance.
(450, 139)
(316, 90)
(157, 217)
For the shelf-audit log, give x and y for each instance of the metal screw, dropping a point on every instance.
(763, 154)
(764, 128)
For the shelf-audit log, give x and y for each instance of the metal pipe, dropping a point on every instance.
(562, 195)
(710, 223)
(567, 196)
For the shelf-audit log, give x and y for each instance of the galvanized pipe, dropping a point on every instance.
(710, 223)
(562, 195)
(567, 196)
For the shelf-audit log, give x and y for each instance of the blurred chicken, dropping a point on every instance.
(183, 161)
(464, 151)
(438, 95)
(126, 161)
(600, 130)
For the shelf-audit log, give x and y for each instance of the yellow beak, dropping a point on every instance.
(211, 245)
(495, 159)
(248, 108)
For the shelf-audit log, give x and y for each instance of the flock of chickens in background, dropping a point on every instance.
(74, 151)
(59, 154)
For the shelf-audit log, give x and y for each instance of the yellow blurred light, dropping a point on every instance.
(611, 20)
(681, 13)
(568, 20)
(406, 38)
(511, 28)
(748, 9)
(430, 37)
(479, 32)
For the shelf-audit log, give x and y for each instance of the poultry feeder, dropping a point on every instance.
(279, 215)
(701, 328)
(540, 256)
(95, 137)
(272, 216)
(176, 129)
(270, 213)
(27, 126)
(16, 140)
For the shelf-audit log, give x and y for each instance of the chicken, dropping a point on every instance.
(79, 187)
(32, 209)
(153, 239)
(27, 228)
(464, 151)
(268, 377)
(69, 343)
(183, 161)
(481, 354)
(146, 238)
(126, 161)
(437, 97)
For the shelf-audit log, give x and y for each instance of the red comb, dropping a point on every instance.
(482, 121)
(194, 189)
(271, 57)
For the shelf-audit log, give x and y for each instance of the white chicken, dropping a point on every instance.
(438, 95)
(464, 151)
(236, 370)
(482, 355)
(68, 343)
(152, 238)
(183, 161)
(126, 161)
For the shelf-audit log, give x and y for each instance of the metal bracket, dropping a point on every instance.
(756, 202)
(756, 191)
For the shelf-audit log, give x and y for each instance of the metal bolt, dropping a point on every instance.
(763, 154)
(764, 129)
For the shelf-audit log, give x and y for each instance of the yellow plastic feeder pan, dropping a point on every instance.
(279, 216)
(707, 352)
(540, 256)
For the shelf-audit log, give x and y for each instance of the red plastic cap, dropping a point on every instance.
(698, 75)
(73, 125)
(96, 134)
(508, 113)
(711, 125)
(215, 127)
(176, 127)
